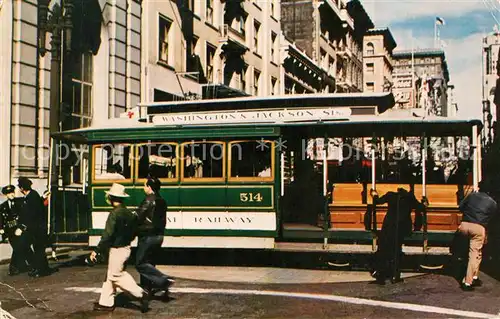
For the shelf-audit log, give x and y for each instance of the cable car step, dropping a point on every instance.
(354, 248)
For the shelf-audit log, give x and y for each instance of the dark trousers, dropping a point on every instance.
(22, 255)
(39, 242)
(389, 254)
(147, 248)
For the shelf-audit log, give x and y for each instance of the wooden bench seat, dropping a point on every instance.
(350, 204)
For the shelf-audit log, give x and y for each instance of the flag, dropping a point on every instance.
(440, 21)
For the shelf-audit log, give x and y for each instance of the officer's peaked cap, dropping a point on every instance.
(8, 189)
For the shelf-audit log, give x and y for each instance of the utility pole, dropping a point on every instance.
(58, 22)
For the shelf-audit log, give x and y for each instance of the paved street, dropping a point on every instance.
(252, 292)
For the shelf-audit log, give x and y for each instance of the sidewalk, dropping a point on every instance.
(6, 252)
(267, 275)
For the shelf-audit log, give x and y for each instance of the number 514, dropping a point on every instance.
(251, 197)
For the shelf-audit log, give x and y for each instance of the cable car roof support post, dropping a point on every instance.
(374, 187)
(475, 175)
(423, 153)
(325, 191)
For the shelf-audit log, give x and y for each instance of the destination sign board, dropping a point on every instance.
(255, 116)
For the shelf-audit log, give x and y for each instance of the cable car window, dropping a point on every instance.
(251, 160)
(112, 162)
(158, 160)
(203, 160)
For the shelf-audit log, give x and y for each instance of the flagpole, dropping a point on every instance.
(413, 70)
(435, 33)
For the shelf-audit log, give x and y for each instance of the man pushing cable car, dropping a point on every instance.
(478, 209)
(396, 226)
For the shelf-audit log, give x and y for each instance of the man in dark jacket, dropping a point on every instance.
(34, 217)
(478, 208)
(152, 218)
(119, 232)
(15, 232)
(396, 226)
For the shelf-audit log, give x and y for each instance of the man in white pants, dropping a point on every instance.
(118, 234)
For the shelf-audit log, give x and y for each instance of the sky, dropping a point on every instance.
(466, 23)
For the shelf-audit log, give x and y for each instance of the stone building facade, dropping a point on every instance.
(210, 49)
(430, 78)
(491, 47)
(377, 59)
(100, 77)
(333, 38)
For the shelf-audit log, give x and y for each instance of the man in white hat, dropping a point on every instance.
(118, 234)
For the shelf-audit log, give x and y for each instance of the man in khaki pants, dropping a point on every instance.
(478, 208)
(118, 234)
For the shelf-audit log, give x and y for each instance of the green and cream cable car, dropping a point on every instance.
(264, 172)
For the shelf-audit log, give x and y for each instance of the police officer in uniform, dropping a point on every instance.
(12, 228)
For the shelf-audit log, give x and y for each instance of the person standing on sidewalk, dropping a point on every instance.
(119, 232)
(152, 218)
(478, 208)
(35, 218)
(12, 229)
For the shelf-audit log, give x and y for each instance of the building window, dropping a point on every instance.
(256, 32)
(331, 66)
(370, 87)
(274, 81)
(272, 8)
(370, 68)
(210, 62)
(256, 79)
(324, 58)
(81, 82)
(191, 55)
(243, 79)
(165, 27)
(273, 47)
(194, 44)
(239, 24)
(370, 49)
(210, 11)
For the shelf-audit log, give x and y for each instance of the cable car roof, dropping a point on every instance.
(357, 126)
(383, 102)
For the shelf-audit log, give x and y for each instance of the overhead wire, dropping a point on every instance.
(495, 4)
(488, 5)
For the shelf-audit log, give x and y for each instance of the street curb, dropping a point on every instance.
(62, 252)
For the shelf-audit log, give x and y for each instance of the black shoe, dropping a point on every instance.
(14, 272)
(41, 273)
(169, 283)
(477, 283)
(145, 302)
(99, 307)
(466, 287)
(395, 280)
(378, 281)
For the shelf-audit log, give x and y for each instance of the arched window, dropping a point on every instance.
(370, 49)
